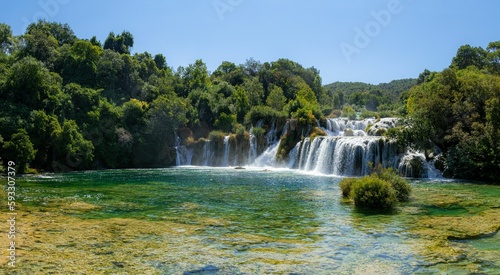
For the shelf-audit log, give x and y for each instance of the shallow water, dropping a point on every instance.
(194, 220)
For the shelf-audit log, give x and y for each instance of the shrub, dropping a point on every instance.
(317, 132)
(346, 186)
(335, 113)
(225, 122)
(381, 190)
(265, 113)
(400, 185)
(258, 131)
(216, 136)
(402, 188)
(372, 192)
(239, 129)
(348, 112)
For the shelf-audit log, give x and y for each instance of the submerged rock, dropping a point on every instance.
(206, 270)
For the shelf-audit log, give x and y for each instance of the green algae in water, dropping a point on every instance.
(250, 221)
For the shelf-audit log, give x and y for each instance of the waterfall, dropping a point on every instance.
(252, 151)
(227, 148)
(346, 127)
(268, 158)
(208, 154)
(348, 149)
(183, 155)
(272, 134)
(344, 156)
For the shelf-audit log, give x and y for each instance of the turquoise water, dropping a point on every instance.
(272, 222)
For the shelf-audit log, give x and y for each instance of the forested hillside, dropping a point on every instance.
(384, 97)
(69, 103)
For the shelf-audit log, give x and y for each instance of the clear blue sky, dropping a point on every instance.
(419, 34)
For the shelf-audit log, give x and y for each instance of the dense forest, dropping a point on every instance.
(73, 104)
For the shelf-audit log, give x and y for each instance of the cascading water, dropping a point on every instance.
(268, 158)
(252, 151)
(208, 154)
(227, 148)
(343, 156)
(183, 154)
(348, 149)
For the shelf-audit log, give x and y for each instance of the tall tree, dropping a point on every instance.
(276, 99)
(121, 43)
(20, 149)
(72, 150)
(493, 57)
(30, 83)
(469, 56)
(5, 38)
(62, 33)
(80, 64)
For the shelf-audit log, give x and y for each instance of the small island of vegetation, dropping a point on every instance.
(381, 190)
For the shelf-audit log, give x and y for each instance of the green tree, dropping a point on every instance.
(80, 102)
(80, 66)
(422, 77)
(95, 42)
(201, 101)
(195, 76)
(252, 67)
(5, 38)
(41, 46)
(72, 150)
(20, 149)
(225, 122)
(112, 143)
(62, 33)
(160, 61)
(230, 73)
(134, 112)
(43, 130)
(469, 56)
(254, 90)
(108, 73)
(241, 103)
(276, 99)
(493, 57)
(30, 83)
(336, 101)
(164, 118)
(119, 43)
